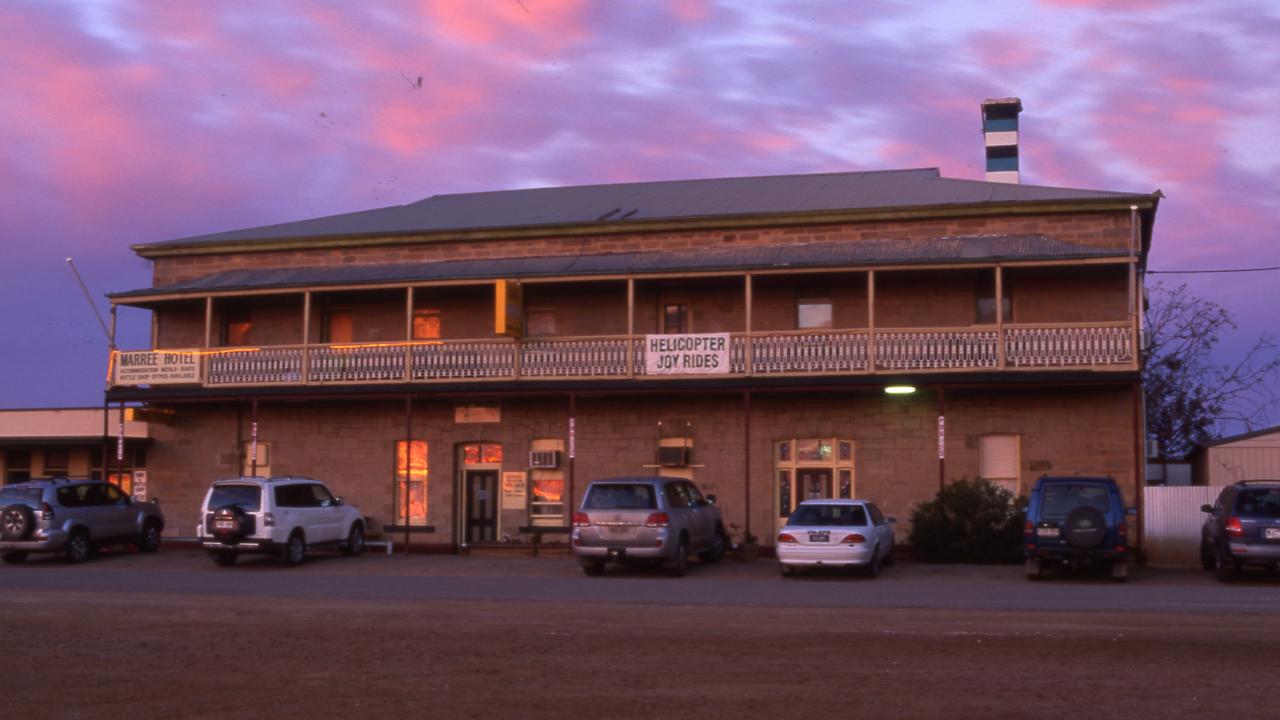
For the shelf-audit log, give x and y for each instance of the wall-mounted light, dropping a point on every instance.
(899, 389)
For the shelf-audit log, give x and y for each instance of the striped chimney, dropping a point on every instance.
(1000, 135)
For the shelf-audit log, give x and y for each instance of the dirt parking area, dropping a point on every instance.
(123, 654)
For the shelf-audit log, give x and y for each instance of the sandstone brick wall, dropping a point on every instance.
(1097, 229)
(1064, 295)
(350, 445)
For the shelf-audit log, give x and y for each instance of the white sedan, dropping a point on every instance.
(836, 533)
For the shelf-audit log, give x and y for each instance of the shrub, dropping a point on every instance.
(969, 522)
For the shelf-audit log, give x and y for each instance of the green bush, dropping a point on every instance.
(969, 522)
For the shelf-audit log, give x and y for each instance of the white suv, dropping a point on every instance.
(281, 516)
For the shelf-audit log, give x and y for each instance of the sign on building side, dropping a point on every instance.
(705, 354)
(157, 367)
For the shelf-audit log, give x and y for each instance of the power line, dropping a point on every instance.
(1201, 272)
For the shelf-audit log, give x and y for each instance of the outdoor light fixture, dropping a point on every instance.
(899, 389)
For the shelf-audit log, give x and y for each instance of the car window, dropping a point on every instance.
(321, 497)
(1061, 498)
(876, 516)
(294, 496)
(113, 494)
(695, 495)
(617, 496)
(1259, 502)
(246, 497)
(10, 494)
(677, 495)
(95, 494)
(840, 515)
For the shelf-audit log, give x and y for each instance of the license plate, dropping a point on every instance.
(225, 524)
(1271, 533)
(1048, 532)
(817, 537)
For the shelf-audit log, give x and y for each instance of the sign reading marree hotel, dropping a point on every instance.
(706, 354)
(160, 367)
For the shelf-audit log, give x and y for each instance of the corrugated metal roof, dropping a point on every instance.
(799, 255)
(655, 201)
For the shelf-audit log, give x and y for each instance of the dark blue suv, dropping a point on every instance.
(1075, 522)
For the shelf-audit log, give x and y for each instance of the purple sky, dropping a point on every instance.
(127, 121)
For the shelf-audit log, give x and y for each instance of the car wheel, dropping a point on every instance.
(78, 547)
(715, 553)
(680, 561)
(1206, 556)
(16, 557)
(1225, 568)
(224, 558)
(1035, 570)
(873, 567)
(296, 550)
(786, 570)
(16, 522)
(149, 541)
(355, 541)
(891, 557)
(593, 569)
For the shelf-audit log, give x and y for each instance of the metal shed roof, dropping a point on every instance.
(625, 203)
(799, 255)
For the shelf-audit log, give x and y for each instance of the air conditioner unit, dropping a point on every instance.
(1153, 447)
(544, 459)
(676, 456)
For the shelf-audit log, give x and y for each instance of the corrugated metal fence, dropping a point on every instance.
(1171, 522)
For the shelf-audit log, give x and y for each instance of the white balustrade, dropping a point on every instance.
(461, 360)
(356, 363)
(817, 352)
(1062, 346)
(573, 357)
(936, 349)
(254, 366)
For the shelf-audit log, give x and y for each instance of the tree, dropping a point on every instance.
(1190, 397)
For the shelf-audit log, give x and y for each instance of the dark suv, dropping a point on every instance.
(72, 516)
(1243, 528)
(1074, 522)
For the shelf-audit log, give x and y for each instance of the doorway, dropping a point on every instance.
(811, 469)
(481, 518)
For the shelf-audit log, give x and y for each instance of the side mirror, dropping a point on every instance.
(1206, 508)
(711, 499)
(892, 519)
(339, 501)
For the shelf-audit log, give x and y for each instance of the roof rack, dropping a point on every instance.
(1258, 482)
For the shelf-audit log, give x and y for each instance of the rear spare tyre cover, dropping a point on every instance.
(16, 522)
(229, 532)
(1086, 527)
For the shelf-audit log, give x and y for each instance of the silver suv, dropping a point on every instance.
(73, 517)
(654, 520)
(284, 516)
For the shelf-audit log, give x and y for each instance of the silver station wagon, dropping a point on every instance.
(836, 533)
(655, 520)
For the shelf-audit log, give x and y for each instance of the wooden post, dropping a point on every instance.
(942, 461)
(306, 337)
(408, 465)
(748, 350)
(631, 327)
(1000, 317)
(408, 334)
(871, 321)
(746, 455)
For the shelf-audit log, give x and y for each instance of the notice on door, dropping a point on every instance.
(514, 488)
(706, 354)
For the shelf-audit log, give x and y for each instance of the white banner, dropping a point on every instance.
(706, 354)
(157, 367)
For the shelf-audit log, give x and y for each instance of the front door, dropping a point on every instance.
(810, 484)
(482, 506)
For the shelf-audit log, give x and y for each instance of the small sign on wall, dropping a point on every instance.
(514, 490)
(140, 485)
(464, 414)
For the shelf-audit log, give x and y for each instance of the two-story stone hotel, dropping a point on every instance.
(461, 367)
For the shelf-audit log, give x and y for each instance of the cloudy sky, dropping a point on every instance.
(128, 121)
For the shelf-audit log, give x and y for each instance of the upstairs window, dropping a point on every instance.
(675, 319)
(426, 324)
(236, 326)
(985, 309)
(813, 312)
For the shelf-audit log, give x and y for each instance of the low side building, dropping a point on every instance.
(1247, 456)
(73, 442)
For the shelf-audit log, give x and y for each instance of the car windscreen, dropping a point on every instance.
(619, 496)
(1258, 502)
(835, 515)
(246, 497)
(11, 494)
(1058, 499)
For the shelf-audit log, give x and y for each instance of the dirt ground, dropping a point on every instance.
(155, 656)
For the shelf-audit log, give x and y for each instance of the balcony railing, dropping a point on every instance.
(1105, 346)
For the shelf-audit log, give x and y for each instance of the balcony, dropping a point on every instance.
(1011, 347)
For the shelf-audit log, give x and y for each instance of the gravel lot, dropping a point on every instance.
(173, 636)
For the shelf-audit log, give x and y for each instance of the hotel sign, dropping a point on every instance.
(157, 367)
(706, 354)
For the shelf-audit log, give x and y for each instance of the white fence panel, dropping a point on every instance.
(1171, 521)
